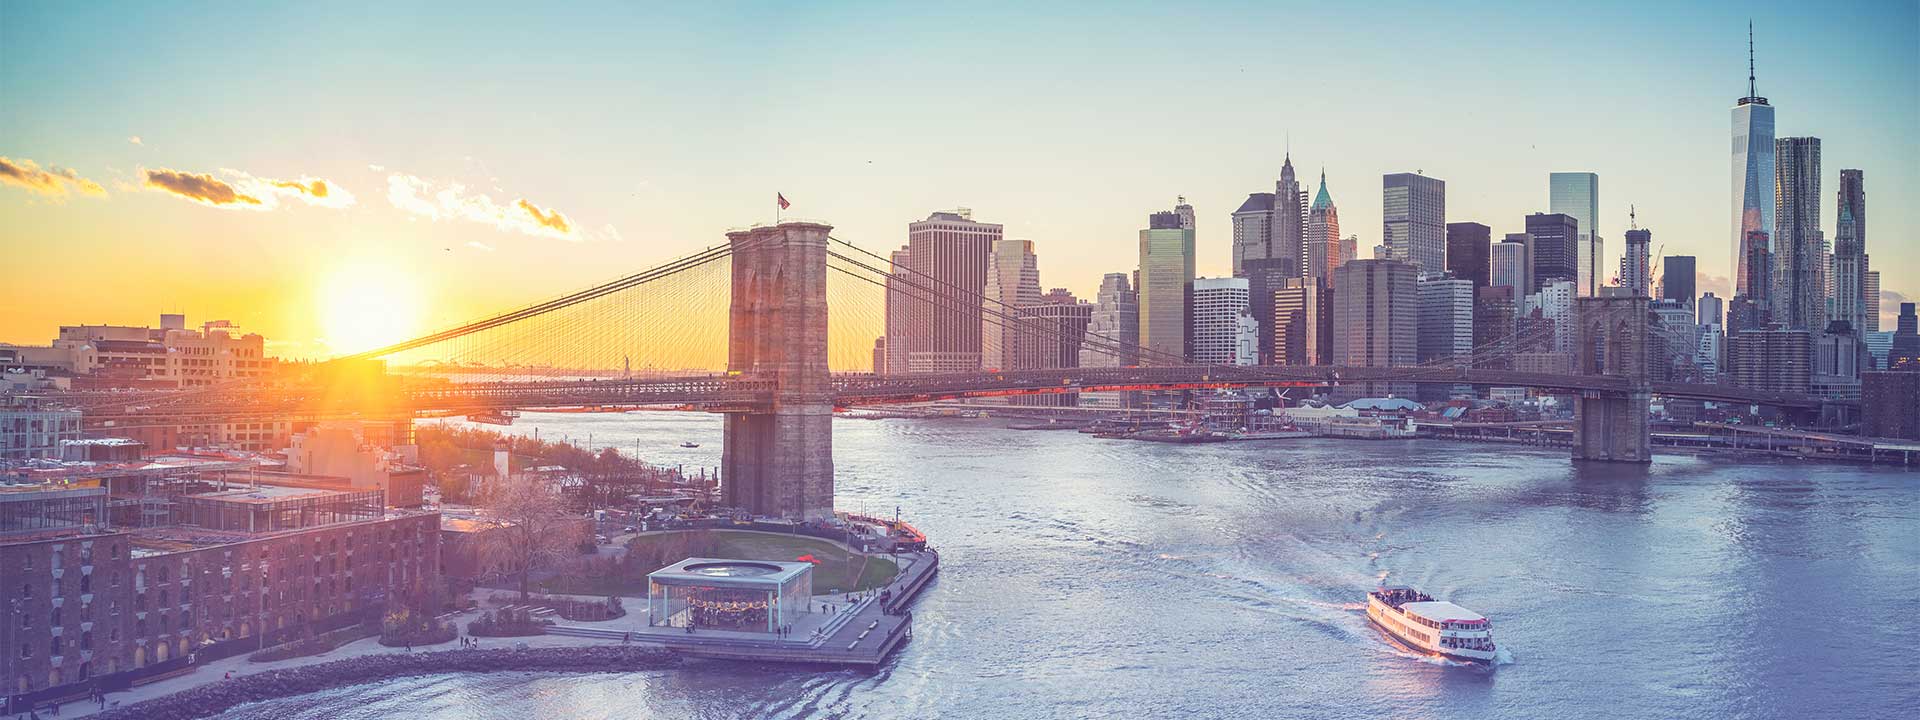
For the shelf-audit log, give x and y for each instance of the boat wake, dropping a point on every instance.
(1501, 656)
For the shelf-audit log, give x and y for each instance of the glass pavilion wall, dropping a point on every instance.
(750, 609)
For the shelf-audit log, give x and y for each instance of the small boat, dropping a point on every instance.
(689, 444)
(1434, 627)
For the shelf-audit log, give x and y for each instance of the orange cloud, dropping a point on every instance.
(552, 218)
(53, 182)
(317, 188)
(200, 188)
(242, 190)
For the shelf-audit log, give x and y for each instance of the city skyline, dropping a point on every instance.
(502, 194)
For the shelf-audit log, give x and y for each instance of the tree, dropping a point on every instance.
(538, 528)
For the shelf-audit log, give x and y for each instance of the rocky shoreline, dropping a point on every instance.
(218, 696)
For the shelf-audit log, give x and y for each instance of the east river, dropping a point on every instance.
(1105, 578)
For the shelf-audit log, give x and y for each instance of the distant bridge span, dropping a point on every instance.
(724, 393)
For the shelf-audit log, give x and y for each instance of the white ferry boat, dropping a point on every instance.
(1435, 627)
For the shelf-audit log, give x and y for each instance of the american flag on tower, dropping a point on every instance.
(782, 199)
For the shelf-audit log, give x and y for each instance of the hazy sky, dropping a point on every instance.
(166, 158)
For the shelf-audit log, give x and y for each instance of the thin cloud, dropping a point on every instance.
(243, 190)
(135, 139)
(54, 181)
(1719, 285)
(453, 202)
(201, 188)
(310, 190)
(477, 245)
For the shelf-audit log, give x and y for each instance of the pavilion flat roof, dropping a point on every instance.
(727, 572)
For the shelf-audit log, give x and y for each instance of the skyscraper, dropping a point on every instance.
(1446, 319)
(1251, 225)
(947, 253)
(1114, 327)
(1263, 277)
(1577, 195)
(1774, 359)
(1753, 186)
(1905, 354)
(899, 309)
(1324, 249)
(1871, 288)
(1555, 302)
(1052, 332)
(1493, 325)
(1510, 264)
(1677, 278)
(1220, 317)
(1799, 246)
(1850, 252)
(1468, 251)
(1166, 287)
(1750, 309)
(1376, 319)
(1289, 227)
(1302, 322)
(1113, 336)
(1013, 281)
(1414, 220)
(1710, 311)
(1636, 265)
(1553, 242)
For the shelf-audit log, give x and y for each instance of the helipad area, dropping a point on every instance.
(750, 595)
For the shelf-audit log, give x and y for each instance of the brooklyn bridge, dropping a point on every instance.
(743, 328)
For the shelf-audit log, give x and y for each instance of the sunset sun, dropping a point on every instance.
(367, 305)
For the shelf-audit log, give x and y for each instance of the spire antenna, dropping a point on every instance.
(1752, 89)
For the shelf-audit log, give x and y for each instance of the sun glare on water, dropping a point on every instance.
(366, 305)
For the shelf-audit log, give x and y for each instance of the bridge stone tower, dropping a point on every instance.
(777, 460)
(1612, 425)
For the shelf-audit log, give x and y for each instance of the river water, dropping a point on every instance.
(1105, 578)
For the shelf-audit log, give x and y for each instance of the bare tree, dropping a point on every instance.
(539, 529)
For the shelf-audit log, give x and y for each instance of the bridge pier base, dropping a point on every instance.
(777, 460)
(1612, 427)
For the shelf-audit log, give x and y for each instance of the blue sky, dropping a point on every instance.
(654, 128)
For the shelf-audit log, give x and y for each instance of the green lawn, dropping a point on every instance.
(838, 570)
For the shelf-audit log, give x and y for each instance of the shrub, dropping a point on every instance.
(404, 627)
(506, 623)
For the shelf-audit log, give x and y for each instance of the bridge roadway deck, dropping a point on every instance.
(723, 393)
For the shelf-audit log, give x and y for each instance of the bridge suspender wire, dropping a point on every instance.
(1001, 318)
(1010, 313)
(1109, 345)
(695, 260)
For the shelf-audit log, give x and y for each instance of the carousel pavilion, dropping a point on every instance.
(711, 593)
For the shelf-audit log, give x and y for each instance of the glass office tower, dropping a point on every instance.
(1577, 195)
(1753, 181)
